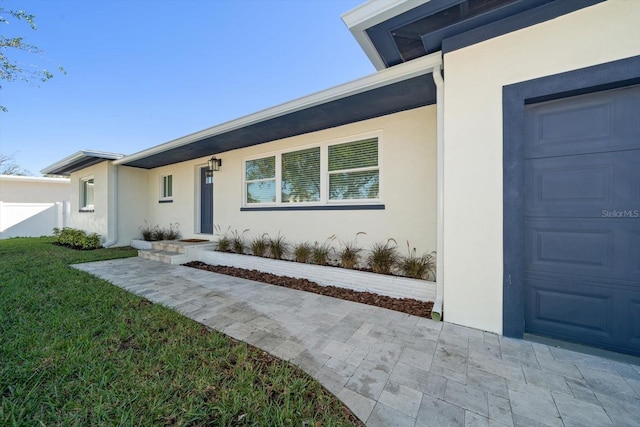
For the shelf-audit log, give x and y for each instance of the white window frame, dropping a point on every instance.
(324, 173)
(276, 178)
(84, 206)
(163, 179)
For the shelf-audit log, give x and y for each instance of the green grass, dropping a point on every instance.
(75, 350)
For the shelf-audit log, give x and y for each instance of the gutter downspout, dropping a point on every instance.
(113, 208)
(436, 312)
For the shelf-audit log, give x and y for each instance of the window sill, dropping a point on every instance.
(166, 201)
(86, 210)
(314, 208)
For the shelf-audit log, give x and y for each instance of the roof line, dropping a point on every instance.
(34, 179)
(371, 13)
(77, 156)
(408, 70)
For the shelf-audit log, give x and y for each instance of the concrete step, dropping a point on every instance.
(169, 246)
(160, 255)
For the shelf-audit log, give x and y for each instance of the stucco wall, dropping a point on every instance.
(96, 221)
(133, 208)
(474, 77)
(30, 189)
(408, 176)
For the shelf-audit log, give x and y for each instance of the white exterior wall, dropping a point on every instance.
(474, 77)
(133, 208)
(32, 206)
(31, 189)
(98, 220)
(408, 186)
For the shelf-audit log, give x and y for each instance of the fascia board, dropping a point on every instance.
(405, 71)
(372, 13)
(77, 156)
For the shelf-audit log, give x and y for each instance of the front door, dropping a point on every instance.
(206, 202)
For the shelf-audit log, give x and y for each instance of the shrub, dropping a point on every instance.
(77, 239)
(302, 252)
(157, 233)
(278, 247)
(172, 233)
(259, 246)
(237, 241)
(349, 253)
(417, 267)
(146, 231)
(224, 242)
(320, 254)
(383, 257)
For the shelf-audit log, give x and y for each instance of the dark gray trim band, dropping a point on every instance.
(513, 23)
(624, 72)
(165, 201)
(316, 208)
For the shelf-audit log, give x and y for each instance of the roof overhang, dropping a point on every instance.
(400, 88)
(392, 33)
(79, 160)
(370, 14)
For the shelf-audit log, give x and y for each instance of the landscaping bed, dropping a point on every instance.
(404, 305)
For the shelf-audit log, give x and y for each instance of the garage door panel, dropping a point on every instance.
(634, 325)
(593, 313)
(584, 124)
(563, 308)
(633, 249)
(595, 248)
(574, 123)
(583, 186)
(571, 248)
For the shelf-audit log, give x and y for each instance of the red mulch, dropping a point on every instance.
(404, 305)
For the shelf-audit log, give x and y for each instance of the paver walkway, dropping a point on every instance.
(390, 368)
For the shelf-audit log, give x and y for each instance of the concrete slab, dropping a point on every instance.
(390, 368)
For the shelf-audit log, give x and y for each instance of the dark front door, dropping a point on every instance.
(582, 219)
(206, 202)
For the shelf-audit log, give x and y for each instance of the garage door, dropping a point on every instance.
(582, 219)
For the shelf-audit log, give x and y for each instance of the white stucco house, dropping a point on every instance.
(32, 206)
(504, 134)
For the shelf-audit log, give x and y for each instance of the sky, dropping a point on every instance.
(140, 73)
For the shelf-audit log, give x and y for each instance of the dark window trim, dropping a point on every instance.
(517, 22)
(86, 210)
(315, 208)
(165, 201)
(620, 73)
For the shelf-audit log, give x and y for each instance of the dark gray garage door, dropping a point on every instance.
(582, 219)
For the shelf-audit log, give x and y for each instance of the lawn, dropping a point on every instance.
(75, 350)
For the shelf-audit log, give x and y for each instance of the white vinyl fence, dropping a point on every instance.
(32, 219)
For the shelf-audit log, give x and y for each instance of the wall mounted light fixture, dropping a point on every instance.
(214, 165)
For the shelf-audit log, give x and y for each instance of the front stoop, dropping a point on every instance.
(170, 251)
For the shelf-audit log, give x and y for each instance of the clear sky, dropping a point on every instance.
(144, 72)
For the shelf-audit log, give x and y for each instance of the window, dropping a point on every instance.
(301, 176)
(329, 173)
(353, 170)
(260, 179)
(86, 194)
(167, 187)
